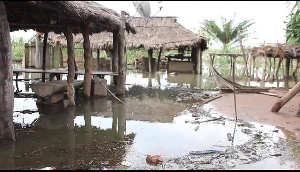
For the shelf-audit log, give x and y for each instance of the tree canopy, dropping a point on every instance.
(227, 34)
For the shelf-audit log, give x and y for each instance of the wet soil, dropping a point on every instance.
(257, 108)
(237, 144)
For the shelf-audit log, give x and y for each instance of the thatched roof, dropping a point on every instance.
(157, 32)
(45, 16)
(274, 50)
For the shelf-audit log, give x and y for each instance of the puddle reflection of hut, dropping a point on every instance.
(159, 33)
(152, 105)
(61, 17)
(64, 144)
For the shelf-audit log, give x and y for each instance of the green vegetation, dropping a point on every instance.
(227, 34)
(131, 55)
(17, 45)
(293, 26)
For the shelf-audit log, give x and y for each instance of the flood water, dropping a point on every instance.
(104, 134)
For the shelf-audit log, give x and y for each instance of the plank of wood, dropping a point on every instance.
(270, 94)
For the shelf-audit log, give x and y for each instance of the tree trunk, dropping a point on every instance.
(87, 61)
(122, 61)
(7, 132)
(71, 67)
(283, 100)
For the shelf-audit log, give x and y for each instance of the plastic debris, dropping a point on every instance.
(47, 168)
(125, 163)
(154, 159)
(204, 152)
(231, 163)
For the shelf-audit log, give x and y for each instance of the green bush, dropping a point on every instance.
(17, 45)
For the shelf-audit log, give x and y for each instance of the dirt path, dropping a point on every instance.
(257, 108)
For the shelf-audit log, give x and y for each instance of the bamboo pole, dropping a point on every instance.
(287, 97)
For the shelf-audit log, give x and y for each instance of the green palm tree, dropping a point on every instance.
(228, 33)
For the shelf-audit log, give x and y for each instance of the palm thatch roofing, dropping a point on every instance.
(291, 51)
(154, 33)
(46, 16)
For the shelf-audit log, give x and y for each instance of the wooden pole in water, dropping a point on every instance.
(158, 59)
(150, 55)
(98, 58)
(26, 55)
(61, 60)
(287, 97)
(199, 60)
(122, 60)
(71, 67)
(115, 55)
(7, 132)
(87, 61)
(44, 55)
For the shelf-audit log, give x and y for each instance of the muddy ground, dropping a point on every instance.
(215, 109)
(257, 108)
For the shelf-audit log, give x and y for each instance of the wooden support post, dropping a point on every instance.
(71, 67)
(287, 67)
(98, 58)
(76, 69)
(287, 97)
(158, 59)
(150, 56)
(194, 59)
(26, 55)
(115, 56)
(7, 132)
(37, 58)
(199, 60)
(44, 56)
(87, 61)
(61, 59)
(122, 61)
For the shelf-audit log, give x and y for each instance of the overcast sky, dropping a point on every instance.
(268, 16)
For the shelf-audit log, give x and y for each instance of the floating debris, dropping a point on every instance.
(204, 152)
(125, 163)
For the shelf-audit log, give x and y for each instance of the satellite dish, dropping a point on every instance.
(143, 8)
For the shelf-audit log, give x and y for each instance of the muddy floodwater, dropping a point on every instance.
(163, 115)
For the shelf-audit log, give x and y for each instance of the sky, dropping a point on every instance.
(268, 16)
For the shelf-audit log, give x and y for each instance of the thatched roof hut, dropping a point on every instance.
(153, 33)
(46, 16)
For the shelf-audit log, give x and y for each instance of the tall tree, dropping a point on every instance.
(227, 34)
(7, 132)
